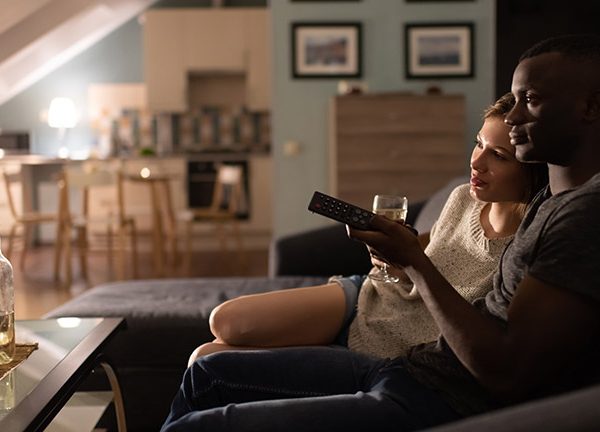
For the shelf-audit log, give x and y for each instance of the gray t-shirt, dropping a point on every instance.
(558, 243)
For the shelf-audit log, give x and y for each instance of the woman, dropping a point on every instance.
(381, 319)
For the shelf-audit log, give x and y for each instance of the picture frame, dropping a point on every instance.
(326, 49)
(439, 50)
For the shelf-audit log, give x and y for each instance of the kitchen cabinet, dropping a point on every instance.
(395, 143)
(164, 65)
(180, 42)
(258, 73)
(214, 41)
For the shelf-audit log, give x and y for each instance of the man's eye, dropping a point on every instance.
(499, 155)
(478, 144)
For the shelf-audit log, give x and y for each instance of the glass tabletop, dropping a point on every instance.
(56, 339)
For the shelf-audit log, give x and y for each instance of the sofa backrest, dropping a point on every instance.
(433, 206)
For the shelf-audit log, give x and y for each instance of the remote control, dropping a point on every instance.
(340, 211)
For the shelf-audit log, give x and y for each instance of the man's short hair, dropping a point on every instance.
(578, 46)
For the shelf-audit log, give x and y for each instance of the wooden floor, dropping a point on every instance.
(36, 291)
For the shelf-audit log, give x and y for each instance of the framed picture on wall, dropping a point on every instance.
(444, 50)
(326, 49)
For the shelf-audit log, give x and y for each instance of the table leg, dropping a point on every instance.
(118, 396)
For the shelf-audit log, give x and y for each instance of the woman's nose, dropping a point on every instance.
(477, 162)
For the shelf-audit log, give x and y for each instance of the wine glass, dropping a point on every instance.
(395, 208)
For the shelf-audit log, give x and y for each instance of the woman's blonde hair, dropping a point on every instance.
(501, 107)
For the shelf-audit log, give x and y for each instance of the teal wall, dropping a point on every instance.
(115, 59)
(300, 107)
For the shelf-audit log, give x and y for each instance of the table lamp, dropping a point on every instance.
(62, 115)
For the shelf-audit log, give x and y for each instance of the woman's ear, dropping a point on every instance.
(592, 111)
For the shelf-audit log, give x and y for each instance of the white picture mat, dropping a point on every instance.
(422, 39)
(325, 36)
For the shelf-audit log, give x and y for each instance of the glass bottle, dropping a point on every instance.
(7, 311)
(7, 393)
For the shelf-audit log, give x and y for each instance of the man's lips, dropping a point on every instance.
(476, 181)
(518, 138)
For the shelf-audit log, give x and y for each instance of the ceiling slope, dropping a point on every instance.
(37, 36)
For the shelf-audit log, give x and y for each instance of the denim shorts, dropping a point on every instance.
(351, 286)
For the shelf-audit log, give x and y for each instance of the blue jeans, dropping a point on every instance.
(302, 389)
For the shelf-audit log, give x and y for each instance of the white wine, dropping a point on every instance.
(7, 337)
(395, 214)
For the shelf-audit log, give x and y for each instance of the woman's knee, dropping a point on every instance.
(206, 349)
(227, 322)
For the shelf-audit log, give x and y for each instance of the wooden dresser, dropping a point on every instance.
(395, 143)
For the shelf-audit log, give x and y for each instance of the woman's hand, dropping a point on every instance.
(389, 242)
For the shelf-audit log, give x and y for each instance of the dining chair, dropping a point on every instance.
(228, 194)
(87, 181)
(25, 219)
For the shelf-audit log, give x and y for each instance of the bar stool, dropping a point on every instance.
(228, 193)
(22, 219)
(85, 180)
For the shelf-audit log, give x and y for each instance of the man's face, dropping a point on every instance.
(546, 122)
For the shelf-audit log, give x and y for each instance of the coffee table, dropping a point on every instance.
(69, 349)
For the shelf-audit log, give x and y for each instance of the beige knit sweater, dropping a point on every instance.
(391, 317)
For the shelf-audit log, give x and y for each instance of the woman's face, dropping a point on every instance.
(496, 175)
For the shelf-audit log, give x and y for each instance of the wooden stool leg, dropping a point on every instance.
(26, 237)
(134, 251)
(121, 254)
(11, 238)
(109, 247)
(67, 247)
(187, 260)
(58, 250)
(82, 244)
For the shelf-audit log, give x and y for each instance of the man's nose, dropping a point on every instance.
(514, 116)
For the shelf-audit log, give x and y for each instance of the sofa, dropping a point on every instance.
(168, 318)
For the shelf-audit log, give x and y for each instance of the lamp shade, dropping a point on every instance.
(62, 113)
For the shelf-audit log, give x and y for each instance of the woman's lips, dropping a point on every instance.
(477, 182)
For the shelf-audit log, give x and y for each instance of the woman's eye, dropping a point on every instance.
(499, 155)
(478, 144)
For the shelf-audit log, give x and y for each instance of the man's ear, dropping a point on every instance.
(592, 111)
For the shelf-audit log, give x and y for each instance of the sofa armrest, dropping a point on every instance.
(323, 252)
(319, 252)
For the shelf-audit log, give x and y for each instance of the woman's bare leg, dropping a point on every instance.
(300, 316)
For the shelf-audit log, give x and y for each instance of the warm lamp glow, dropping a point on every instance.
(62, 113)
(145, 172)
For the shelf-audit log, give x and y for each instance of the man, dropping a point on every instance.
(537, 333)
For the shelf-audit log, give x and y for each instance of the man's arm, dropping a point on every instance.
(546, 325)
